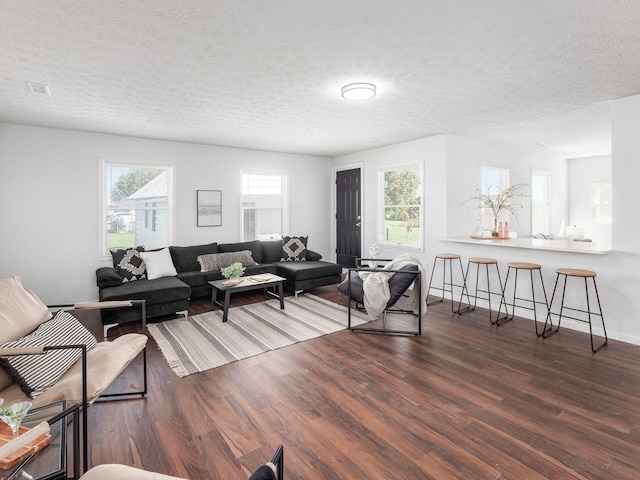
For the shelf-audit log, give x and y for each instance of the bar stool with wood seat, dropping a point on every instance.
(529, 303)
(576, 273)
(478, 262)
(446, 257)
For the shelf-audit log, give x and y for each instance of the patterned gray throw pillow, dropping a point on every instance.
(294, 249)
(129, 264)
(217, 261)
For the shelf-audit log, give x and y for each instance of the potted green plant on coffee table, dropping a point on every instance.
(233, 271)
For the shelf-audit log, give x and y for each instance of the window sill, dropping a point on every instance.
(401, 246)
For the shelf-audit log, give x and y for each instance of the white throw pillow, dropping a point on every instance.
(159, 264)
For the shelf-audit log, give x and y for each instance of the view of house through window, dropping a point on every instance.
(264, 214)
(540, 203)
(601, 202)
(136, 206)
(402, 205)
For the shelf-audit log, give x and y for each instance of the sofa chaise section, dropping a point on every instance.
(311, 273)
(164, 296)
(308, 275)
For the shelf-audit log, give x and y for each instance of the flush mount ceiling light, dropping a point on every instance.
(359, 91)
(38, 88)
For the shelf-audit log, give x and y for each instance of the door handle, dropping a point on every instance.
(358, 224)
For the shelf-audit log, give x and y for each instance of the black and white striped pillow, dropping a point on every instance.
(36, 373)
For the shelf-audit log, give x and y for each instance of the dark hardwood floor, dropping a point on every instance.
(465, 400)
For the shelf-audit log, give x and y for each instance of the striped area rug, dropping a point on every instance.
(203, 342)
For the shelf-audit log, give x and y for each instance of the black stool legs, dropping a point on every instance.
(478, 262)
(530, 303)
(446, 257)
(586, 274)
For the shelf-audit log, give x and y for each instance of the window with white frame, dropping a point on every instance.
(540, 202)
(401, 199)
(493, 180)
(264, 209)
(601, 202)
(136, 203)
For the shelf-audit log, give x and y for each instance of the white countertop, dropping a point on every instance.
(569, 246)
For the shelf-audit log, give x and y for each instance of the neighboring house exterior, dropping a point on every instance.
(152, 212)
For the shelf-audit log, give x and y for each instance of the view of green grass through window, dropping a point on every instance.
(136, 206)
(402, 215)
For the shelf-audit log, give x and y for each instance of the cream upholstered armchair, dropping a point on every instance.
(123, 472)
(272, 470)
(47, 358)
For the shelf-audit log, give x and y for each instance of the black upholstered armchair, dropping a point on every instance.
(399, 280)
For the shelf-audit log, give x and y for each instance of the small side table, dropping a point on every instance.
(51, 461)
(245, 285)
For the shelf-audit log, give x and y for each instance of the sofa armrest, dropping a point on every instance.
(313, 256)
(107, 277)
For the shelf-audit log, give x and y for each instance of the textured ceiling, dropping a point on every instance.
(266, 74)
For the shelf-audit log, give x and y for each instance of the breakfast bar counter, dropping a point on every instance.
(568, 246)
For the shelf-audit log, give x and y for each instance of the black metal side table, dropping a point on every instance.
(51, 462)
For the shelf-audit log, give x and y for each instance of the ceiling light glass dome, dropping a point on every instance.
(359, 91)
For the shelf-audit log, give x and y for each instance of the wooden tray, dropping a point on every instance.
(488, 238)
(16, 457)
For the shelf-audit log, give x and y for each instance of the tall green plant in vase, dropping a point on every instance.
(498, 202)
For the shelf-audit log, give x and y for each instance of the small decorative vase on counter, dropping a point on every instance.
(494, 227)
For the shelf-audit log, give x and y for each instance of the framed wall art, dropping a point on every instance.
(209, 208)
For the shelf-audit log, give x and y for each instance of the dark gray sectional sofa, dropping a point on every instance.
(168, 295)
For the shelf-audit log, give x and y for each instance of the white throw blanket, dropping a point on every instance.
(375, 286)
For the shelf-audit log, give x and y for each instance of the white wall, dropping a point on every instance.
(49, 200)
(582, 173)
(452, 166)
